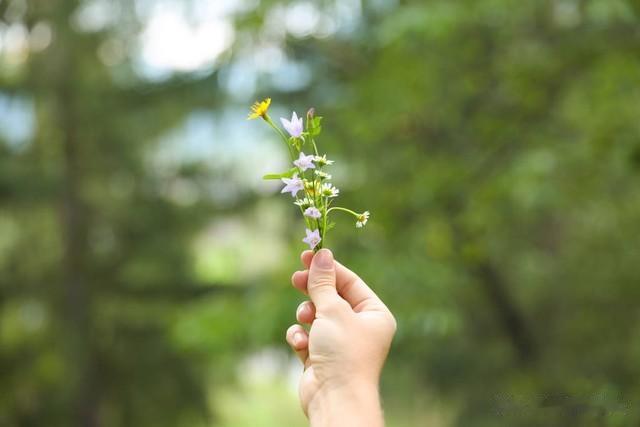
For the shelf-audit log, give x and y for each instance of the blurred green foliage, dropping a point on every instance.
(496, 143)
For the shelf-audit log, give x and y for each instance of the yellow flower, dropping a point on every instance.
(311, 187)
(259, 109)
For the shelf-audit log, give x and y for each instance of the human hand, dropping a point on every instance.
(345, 349)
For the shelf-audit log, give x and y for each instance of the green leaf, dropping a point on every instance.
(314, 128)
(287, 174)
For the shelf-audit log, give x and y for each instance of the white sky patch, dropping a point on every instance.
(185, 36)
(308, 19)
(302, 18)
(170, 42)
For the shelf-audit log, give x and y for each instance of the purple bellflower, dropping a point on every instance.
(292, 185)
(312, 212)
(294, 127)
(304, 162)
(312, 239)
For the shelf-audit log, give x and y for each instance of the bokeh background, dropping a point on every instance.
(144, 264)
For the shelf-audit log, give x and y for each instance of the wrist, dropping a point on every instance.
(352, 404)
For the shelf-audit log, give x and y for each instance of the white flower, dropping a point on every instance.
(362, 219)
(328, 190)
(322, 175)
(304, 202)
(322, 160)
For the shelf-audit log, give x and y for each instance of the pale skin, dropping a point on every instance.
(343, 353)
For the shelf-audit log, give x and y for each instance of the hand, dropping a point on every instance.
(345, 349)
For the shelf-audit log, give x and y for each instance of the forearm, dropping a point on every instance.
(354, 405)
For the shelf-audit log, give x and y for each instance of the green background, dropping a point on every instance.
(144, 265)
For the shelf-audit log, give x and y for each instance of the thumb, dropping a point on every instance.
(321, 284)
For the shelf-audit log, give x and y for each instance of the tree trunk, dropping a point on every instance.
(76, 304)
(508, 314)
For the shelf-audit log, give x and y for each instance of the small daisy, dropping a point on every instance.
(362, 219)
(322, 175)
(328, 190)
(322, 160)
(304, 202)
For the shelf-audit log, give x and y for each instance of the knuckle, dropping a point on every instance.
(322, 282)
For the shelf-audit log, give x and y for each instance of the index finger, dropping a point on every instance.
(306, 257)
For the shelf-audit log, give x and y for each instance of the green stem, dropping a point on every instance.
(293, 158)
(282, 135)
(315, 181)
(324, 218)
(339, 208)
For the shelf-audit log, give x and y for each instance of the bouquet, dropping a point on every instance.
(307, 181)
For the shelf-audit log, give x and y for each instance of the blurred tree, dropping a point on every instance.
(95, 251)
(496, 145)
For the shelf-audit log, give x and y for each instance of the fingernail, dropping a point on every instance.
(302, 308)
(297, 338)
(324, 258)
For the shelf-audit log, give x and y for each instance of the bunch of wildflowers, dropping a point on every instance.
(307, 181)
